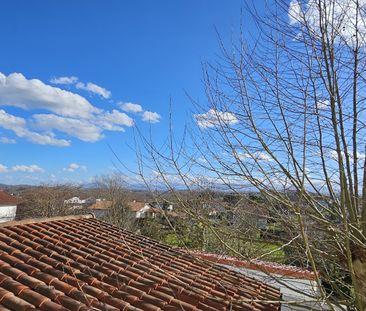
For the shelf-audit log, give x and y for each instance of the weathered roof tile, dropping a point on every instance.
(84, 263)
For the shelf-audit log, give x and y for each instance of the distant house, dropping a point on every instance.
(165, 206)
(150, 210)
(73, 200)
(140, 209)
(253, 214)
(215, 209)
(100, 208)
(89, 201)
(8, 207)
(80, 202)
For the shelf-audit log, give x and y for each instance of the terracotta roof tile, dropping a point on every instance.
(135, 206)
(7, 198)
(101, 205)
(84, 263)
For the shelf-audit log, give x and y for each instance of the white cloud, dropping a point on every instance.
(214, 117)
(18, 126)
(11, 122)
(17, 91)
(322, 104)
(130, 107)
(201, 159)
(81, 129)
(93, 88)
(64, 80)
(257, 155)
(149, 116)
(294, 12)
(42, 139)
(27, 168)
(109, 120)
(3, 168)
(338, 16)
(74, 167)
(90, 87)
(6, 140)
(61, 111)
(334, 156)
(86, 130)
(360, 156)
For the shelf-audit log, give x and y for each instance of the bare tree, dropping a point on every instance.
(112, 188)
(46, 201)
(285, 115)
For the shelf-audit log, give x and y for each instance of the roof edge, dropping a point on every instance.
(44, 219)
(261, 266)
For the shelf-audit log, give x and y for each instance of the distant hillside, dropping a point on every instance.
(14, 188)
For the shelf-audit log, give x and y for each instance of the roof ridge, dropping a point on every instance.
(44, 219)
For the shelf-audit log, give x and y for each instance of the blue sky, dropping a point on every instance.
(57, 129)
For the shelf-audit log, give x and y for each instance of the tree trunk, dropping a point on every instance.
(359, 267)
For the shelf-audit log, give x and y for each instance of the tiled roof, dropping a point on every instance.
(81, 263)
(258, 265)
(7, 198)
(135, 206)
(101, 205)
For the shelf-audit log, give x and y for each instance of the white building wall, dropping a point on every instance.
(142, 212)
(74, 200)
(7, 212)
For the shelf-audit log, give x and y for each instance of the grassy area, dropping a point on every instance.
(250, 249)
(274, 253)
(216, 239)
(178, 241)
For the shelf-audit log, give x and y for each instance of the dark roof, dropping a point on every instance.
(81, 263)
(7, 198)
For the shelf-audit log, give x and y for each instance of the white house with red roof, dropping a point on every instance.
(8, 207)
